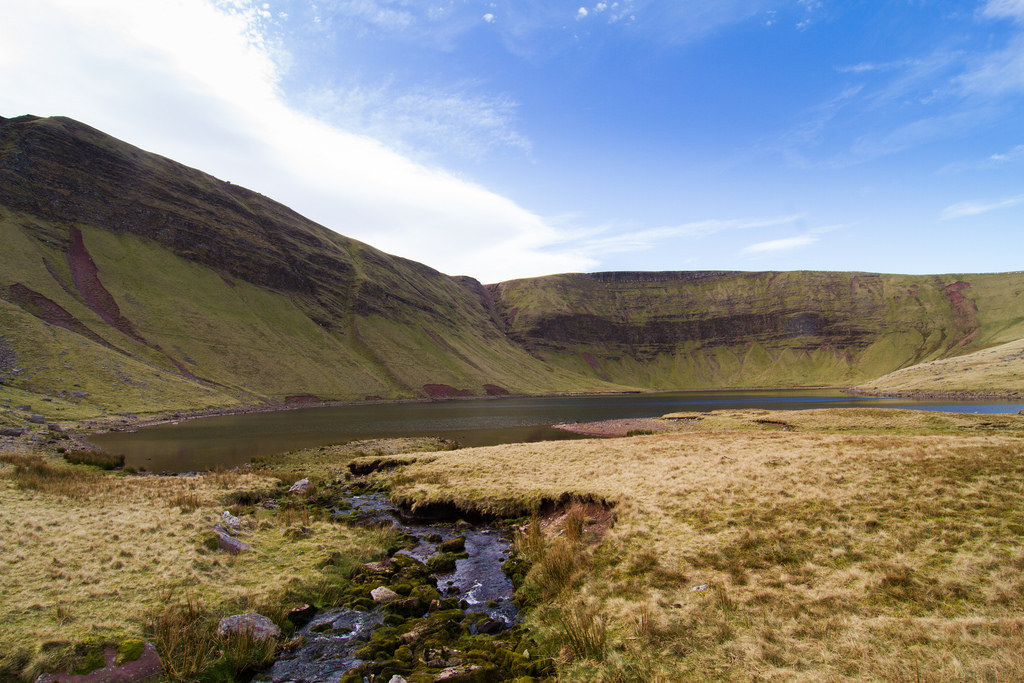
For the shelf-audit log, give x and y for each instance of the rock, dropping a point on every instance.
(54, 427)
(36, 419)
(256, 625)
(78, 394)
(490, 626)
(397, 679)
(147, 667)
(407, 607)
(23, 407)
(384, 595)
(11, 431)
(384, 568)
(301, 486)
(231, 520)
(230, 544)
(464, 674)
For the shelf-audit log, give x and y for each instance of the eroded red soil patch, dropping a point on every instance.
(302, 398)
(87, 279)
(51, 312)
(445, 391)
(495, 390)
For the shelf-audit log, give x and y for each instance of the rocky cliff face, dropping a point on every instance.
(755, 329)
(146, 284)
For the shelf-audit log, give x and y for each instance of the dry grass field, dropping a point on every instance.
(92, 557)
(743, 545)
(813, 545)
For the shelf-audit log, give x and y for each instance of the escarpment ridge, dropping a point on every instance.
(130, 282)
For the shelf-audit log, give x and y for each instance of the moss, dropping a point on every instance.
(129, 650)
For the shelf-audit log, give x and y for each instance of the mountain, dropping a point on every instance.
(768, 329)
(149, 285)
(130, 282)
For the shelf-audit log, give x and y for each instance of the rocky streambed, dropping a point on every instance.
(439, 609)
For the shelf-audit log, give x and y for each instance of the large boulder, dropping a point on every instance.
(251, 623)
(301, 486)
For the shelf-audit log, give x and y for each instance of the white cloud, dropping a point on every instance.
(1005, 9)
(582, 13)
(784, 244)
(594, 245)
(196, 82)
(489, 18)
(965, 209)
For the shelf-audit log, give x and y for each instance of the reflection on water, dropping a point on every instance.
(233, 440)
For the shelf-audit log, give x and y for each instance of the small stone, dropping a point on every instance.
(36, 419)
(231, 520)
(229, 544)
(301, 486)
(78, 394)
(256, 625)
(397, 679)
(11, 431)
(54, 427)
(383, 594)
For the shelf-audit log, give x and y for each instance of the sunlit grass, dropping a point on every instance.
(834, 549)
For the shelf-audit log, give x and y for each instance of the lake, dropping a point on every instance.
(232, 440)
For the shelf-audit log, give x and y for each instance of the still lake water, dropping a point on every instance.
(232, 440)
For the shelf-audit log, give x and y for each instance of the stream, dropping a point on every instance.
(332, 637)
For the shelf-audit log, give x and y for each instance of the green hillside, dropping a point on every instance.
(132, 283)
(739, 329)
(150, 286)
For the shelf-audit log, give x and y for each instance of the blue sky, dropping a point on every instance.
(509, 139)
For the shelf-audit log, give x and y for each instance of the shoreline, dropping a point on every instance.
(127, 422)
(131, 422)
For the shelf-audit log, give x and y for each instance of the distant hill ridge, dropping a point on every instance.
(137, 283)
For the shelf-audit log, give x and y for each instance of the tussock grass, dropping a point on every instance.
(844, 548)
(90, 556)
(100, 459)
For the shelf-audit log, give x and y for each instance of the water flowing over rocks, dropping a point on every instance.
(472, 596)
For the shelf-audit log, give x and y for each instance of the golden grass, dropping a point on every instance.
(981, 372)
(90, 556)
(752, 552)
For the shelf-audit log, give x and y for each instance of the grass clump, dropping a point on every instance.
(100, 459)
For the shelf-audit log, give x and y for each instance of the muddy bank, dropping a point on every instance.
(623, 427)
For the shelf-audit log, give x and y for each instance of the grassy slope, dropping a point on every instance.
(998, 370)
(242, 292)
(877, 545)
(96, 556)
(748, 324)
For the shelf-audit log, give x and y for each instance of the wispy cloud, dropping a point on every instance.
(992, 161)
(784, 244)
(592, 244)
(789, 243)
(453, 120)
(965, 209)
